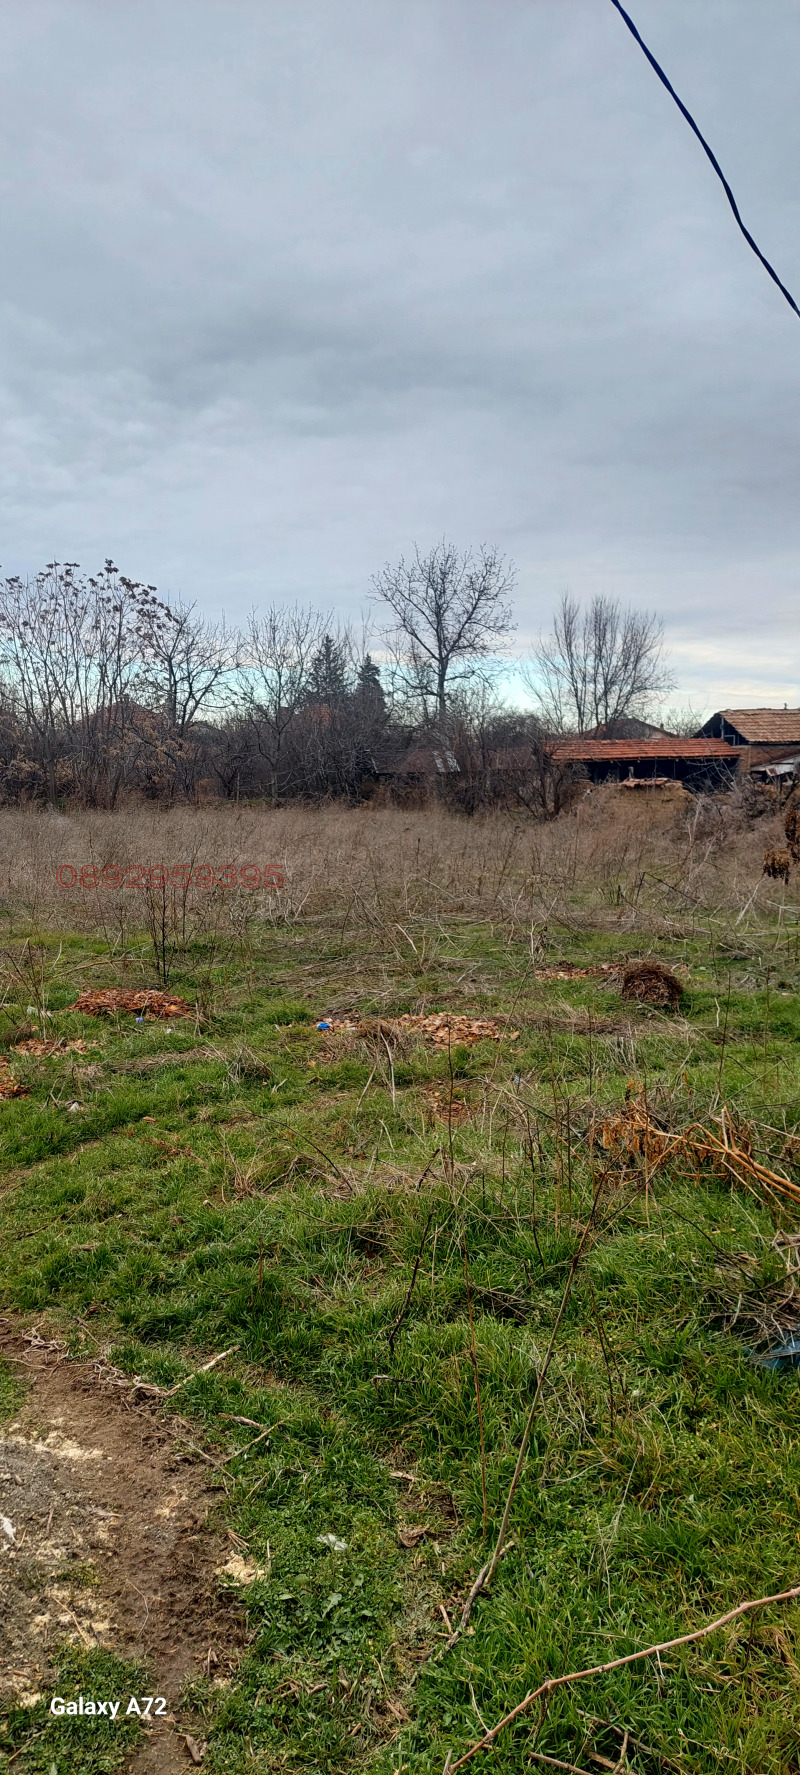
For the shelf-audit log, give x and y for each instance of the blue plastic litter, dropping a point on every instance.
(785, 1356)
(323, 1026)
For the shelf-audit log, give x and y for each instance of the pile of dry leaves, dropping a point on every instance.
(42, 1050)
(146, 1003)
(567, 970)
(440, 1030)
(9, 1086)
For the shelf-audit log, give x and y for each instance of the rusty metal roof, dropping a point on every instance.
(770, 727)
(630, 751)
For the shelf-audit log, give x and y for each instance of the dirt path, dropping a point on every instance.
(110, 1545)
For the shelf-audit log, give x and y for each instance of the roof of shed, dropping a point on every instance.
(776, 727)
(630, 751)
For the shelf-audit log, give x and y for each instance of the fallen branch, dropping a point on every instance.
(328, 1159)
(477, 1587)
(204, 1369)
(546, 1689)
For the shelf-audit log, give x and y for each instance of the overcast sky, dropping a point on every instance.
(291, 284)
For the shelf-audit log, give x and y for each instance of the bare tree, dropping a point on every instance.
(72, 649)
(189, 660)
(188, 665)
(275, 679)
(447, 610)
(600, 663)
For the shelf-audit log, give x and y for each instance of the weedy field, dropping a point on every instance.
(282, 1304)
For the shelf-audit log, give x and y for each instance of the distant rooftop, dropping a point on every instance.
(754, 727)
(629, 751)
(625, 727)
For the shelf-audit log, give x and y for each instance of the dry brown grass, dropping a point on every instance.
(634, 1133)
(611, 858)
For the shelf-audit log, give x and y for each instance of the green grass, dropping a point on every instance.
(264, 1191)
(38, 1743)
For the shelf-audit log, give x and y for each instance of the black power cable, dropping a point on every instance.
(711, 155)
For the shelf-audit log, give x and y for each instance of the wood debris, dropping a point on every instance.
(145, 1003)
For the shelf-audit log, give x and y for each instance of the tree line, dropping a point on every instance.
(108, 690)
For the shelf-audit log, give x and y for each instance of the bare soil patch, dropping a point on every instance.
(111, 1540)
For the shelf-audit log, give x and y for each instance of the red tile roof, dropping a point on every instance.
(771, 727)
(630, 751)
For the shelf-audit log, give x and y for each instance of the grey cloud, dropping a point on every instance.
(289, 285)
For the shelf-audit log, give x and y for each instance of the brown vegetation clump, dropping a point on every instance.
(9, 1086)
(634, 1132)
(142, 1004)
(791, 827)
(651, 983)
(777, 864)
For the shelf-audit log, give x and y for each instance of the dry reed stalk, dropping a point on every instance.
(487, 1571)
(474, 1360)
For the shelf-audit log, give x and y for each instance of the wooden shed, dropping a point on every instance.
(700, 763)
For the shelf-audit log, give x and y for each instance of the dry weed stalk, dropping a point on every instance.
(473, 1350)
(634, 1132)
(546, 1689)
(502, 1543)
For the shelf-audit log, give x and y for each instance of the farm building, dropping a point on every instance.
(767, 740)
(700, 763)
(753, 727)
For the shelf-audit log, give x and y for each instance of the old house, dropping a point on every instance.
(767, 741)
